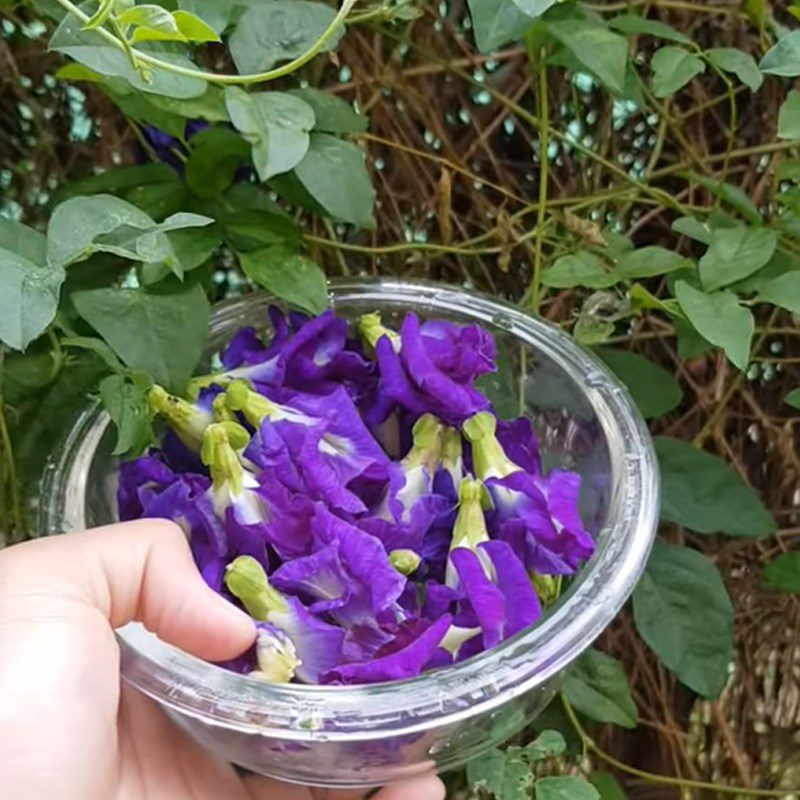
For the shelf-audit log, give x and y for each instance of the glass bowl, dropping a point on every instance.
(370, 735)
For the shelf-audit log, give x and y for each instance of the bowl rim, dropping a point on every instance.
(443, 697)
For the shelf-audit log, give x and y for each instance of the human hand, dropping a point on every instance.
(69, 730)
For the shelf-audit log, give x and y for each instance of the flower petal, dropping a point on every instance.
(406, 662)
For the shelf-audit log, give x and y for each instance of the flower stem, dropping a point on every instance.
(544, 178)
(683, 783)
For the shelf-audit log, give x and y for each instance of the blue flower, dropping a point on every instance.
(432, 368)
(317, 646)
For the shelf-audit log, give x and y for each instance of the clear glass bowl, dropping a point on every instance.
(365, 736)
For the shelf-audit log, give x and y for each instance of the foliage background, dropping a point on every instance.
(462, 196)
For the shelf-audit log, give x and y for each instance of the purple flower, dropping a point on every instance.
(537, 515)
(410, 652)
(317, 646)
(432, 369)
(410, 506)
(348, 575)
(499, 596)
(319, 443)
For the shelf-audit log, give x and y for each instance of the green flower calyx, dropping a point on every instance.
(246, 580)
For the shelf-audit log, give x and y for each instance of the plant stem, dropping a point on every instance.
(231, 80)
(544, 177)
(651, 777)
(17, 518)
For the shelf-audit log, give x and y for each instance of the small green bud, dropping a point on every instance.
(371, 329)
(246, 580)
(488, 457)
(188, 421)
(254, 406)
(221, 410)
(427, 448)
(404, 561)
(221, 441)
(470, 525)
(548, 587)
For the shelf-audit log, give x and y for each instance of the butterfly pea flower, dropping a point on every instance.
(470, 527)
(234, 490)
(411, 651)
(187, 420)
(326, 445)
(537, 514)
(348, 575)
(317, 645)
(320, 358)
(409, 505)
(434, 368)
(276, 654)
(498, 594)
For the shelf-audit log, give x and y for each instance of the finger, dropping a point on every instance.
(426, 787)
(132, 571)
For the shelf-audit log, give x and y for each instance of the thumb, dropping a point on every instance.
(135, 571)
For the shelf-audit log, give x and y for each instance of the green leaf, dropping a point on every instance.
(702, 493)
(654, 390)
(279, 30)
(192, 248)
(332, 114)
(215, 13)
(276, 124)
(789, 117)
(783, 291)
(91, 49)
(162, 335)
(496, 22)
(634, 25)
(784, 58)
(579, 269)
(334, 173)
(82, 226)
(788, 170)
(682, 610)
(505, 774)
(96, 346)
(607, 786)
(596, 686)
(549, 744)
(565, 787)
(29, 294)
(126, 404)
(741, 64)
(601, 51)
(784, 572)
(647, 262)
(731, 194)
(673, 68)
(289, 276)
(22, 240)
(720, 319)
(152, 23)
(693, 228)
(215, 155)
(736, 253)
(793, 398)
(193, 28)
